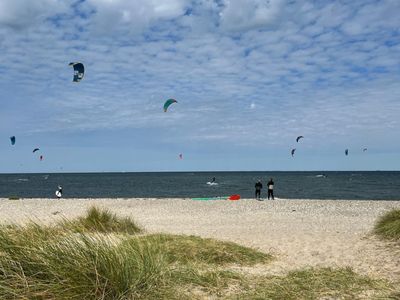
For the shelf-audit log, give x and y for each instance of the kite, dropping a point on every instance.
(365, 149)
(36, 149)
(41, 157)
(293, 150)
(346, 151)
(298, 138)
(12, 139)
(168, 103)
(180, 156)
(79, 71)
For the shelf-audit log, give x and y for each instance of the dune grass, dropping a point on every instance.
(102, 220)
(77, 266)
(192, 249)
(322, 283)
(100, 256)
(388, 225)
(76, 260)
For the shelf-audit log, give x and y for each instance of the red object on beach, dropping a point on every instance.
(234, 197)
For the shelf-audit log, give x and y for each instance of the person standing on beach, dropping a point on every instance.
(59, 192)
(270, 185)
(258, 187)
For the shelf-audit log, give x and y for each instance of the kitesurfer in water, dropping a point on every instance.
(213, 180)
(258, 187)
(270, 185)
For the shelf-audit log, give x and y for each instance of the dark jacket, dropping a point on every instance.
(258, 186)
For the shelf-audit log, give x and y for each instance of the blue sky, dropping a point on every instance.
(249, 77)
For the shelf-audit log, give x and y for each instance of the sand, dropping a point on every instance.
(300, 233)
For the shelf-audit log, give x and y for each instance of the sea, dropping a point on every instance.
(374, 185)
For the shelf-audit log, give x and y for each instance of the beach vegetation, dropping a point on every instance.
(388, 225)
(61, 262)
(77, 266)
(318, 283)
(193, 249)
(97, 258)
(102, 220)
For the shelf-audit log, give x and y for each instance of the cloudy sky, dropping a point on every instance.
(249, 77)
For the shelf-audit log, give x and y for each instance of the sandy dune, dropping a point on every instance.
(299, 232)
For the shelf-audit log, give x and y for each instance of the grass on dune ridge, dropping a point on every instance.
(76, 260)
(388, 225)
(100, 256)
(188, 249)
(78, 266)
(104, 221)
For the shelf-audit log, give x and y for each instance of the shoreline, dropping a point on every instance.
(15, 198)
(300, 233)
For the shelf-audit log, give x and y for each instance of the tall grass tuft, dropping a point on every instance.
(77, 266)
(103, 220)
(388, 225)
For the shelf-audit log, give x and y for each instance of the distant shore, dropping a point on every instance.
(301, 233)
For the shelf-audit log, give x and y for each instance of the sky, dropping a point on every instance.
(249, 77)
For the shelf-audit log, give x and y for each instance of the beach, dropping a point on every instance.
(299, 233)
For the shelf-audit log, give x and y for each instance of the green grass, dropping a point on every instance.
(388, 225)
(324, 283)
(76, 260)
(192, 249)
(77, 266)
(104, 221)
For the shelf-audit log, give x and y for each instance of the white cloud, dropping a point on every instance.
(378, 16)
(136, 14)
(240, 15)
(22, 13)
(305, 75)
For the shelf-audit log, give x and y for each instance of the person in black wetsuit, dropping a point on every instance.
(213, 180)
(270, 185)
(258, 187)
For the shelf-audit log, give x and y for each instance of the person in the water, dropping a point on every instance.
(213, 180)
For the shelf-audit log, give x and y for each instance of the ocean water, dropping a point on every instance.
(293, 185)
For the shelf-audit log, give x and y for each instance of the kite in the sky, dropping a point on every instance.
(298, 138)
(346, 151)
(36, 149)
(79, 71)
(365, 149)
(12, 139)
(41, 157)
(180, 156)
(168, 103)
(293, 150)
